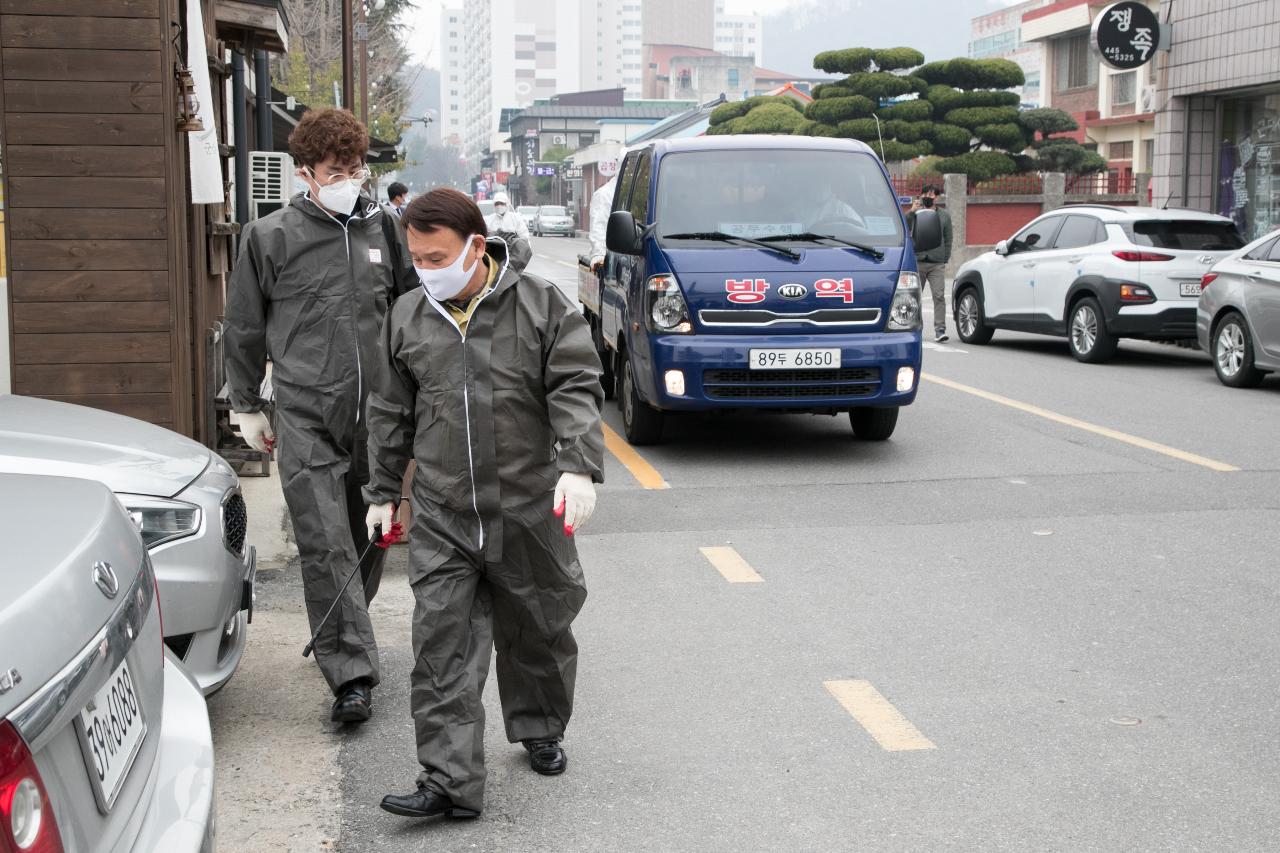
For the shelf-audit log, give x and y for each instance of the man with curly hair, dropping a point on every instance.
(310, 288)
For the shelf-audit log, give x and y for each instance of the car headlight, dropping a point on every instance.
(667, 310)
(161, 520)
(904, 313)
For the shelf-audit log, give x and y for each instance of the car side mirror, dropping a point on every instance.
(623, 235)
(927, 233)
(1002, 248)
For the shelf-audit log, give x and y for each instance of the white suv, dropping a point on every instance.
(1094, 274)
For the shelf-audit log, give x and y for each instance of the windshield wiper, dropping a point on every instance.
(811, 237)
(720, 235)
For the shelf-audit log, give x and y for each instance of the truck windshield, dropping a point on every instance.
(766, 193)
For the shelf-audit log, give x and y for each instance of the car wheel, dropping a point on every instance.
(971, 324)
(1233, 353)
(641, 422)
(1087, 333)
(873, 424)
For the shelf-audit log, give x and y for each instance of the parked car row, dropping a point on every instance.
(1096, 274)
(128, 592)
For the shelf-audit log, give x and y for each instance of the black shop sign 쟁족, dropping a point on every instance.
(1125, 35)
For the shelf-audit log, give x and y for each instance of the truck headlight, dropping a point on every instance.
(904, 313)
(160, 520)
(667, 312)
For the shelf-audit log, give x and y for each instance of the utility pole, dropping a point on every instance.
(348, 82)
(362, 37)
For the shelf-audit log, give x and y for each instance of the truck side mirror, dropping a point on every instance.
(926, 235)
(623, 235)
(1002, 248)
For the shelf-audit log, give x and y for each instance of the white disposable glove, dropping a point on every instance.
(575, 500)
(256, 429)
(379, 514)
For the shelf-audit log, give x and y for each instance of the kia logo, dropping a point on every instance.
(792, 291)
(105, 578)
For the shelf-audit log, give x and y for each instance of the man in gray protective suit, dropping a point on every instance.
(488, 378)
(311, 286)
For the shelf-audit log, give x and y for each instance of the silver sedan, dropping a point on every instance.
(104, 737)
(185, 500)
(1238, 316)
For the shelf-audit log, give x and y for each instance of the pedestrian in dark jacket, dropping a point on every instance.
(932, 264)
(310, 288)
(488, 378)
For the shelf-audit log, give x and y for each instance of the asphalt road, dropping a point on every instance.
(1041, 617)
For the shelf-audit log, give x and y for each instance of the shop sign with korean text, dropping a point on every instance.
(1125, 35)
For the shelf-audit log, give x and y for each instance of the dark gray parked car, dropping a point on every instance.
(104, 737)
(186, 501)
(1238, 316)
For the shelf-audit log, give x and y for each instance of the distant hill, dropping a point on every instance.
(938, 28)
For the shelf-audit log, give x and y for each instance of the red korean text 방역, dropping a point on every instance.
(831, 288)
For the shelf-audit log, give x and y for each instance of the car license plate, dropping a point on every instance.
(794, 359)
(111, 729)
(1190, 288)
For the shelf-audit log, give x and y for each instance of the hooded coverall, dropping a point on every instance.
(493, 416)
(311, 290)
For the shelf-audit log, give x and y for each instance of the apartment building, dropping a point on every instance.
(998, 35)
(1116, 110)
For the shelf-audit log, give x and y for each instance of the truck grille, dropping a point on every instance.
(790, 384)
(766, 317)
(235, 523)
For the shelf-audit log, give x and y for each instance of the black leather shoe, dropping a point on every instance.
(425, 803)
(546, 757)
(354, 703)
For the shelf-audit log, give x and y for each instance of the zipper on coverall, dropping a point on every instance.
(466, 407)
(355, 325)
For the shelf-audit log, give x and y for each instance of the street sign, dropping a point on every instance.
(607, 168)
(540, 171)
(1125, 35)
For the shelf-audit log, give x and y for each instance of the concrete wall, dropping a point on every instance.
(979, 220)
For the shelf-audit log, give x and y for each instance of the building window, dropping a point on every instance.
(1120, 150)
(1249, 164)
(733, 78)
(1148, 155)
(1124, 88)
(1074, 67)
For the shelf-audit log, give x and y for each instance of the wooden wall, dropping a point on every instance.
(98, 230)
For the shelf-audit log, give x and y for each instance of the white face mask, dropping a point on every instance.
(449, 281)
(500, 209)
(340, 196)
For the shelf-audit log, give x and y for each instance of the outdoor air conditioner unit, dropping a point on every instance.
(1148, 100)
(270, 181)
(558, 139)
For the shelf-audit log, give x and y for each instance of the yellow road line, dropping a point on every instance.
(729, 563)
(877, 715)
(645, 474)
(1107, 432)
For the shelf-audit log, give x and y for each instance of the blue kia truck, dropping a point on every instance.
(757, 273)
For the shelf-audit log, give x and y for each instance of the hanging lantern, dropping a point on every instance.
(188, 103)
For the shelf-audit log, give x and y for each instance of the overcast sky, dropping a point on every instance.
(795, 31)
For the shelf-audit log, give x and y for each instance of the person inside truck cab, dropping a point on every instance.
(831, 208)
